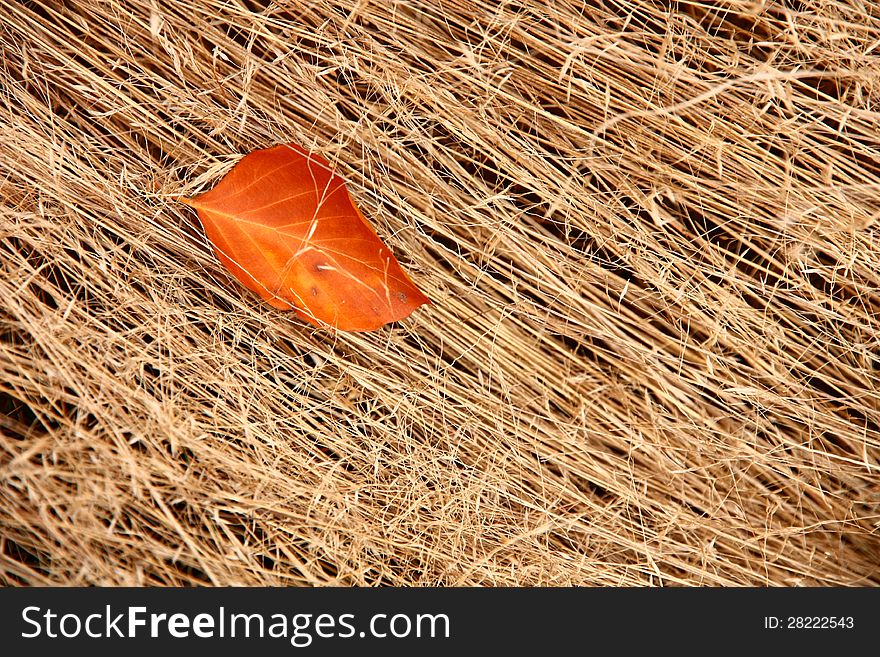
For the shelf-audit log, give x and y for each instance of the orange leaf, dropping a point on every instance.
(286, 227)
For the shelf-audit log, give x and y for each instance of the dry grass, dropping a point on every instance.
(649, 230)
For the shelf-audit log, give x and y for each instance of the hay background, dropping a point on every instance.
(649, 231)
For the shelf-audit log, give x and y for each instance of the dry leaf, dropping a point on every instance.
(285, 226)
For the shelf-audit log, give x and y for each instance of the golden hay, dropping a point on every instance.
(649, 230)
